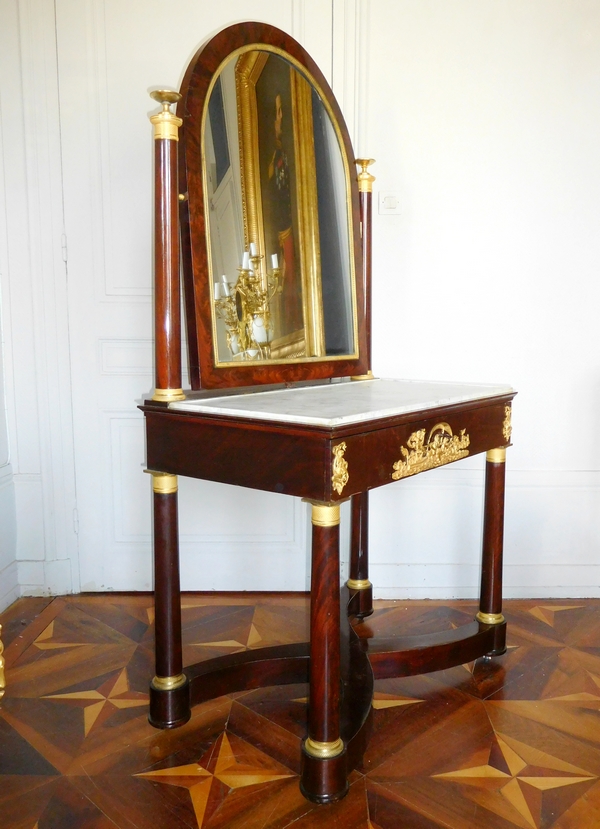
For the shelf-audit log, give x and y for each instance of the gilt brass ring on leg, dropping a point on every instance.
(168, 683)
(490, 618)
(324, 750)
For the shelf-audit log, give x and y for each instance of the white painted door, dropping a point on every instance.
(109, 54)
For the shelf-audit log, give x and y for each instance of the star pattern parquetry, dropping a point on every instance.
(254, 638)
(518, 775)
(392, 701)
(229, 765)
(515, 742)
(102, 702)
(545, 613)
(42, 643)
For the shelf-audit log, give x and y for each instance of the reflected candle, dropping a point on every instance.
(274, 261)
(246, 261)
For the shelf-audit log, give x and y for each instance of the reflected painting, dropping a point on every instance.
(277, 188)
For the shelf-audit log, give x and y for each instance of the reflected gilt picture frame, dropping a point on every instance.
(279, 194)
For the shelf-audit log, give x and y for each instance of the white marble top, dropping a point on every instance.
(338, 404)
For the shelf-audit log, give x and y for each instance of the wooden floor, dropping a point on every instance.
(514, 742)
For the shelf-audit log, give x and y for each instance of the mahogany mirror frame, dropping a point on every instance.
(196, 86)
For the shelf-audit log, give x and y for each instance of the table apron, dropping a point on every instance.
(319, 466)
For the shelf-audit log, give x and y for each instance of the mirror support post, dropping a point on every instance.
(361, 589)
(167, 325)
(365, 190)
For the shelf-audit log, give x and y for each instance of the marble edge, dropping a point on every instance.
(188, 404)
(282, 417)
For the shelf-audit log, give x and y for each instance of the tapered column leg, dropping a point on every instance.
(361, 589)
(169, 690)
(323, 778)
(490, 602)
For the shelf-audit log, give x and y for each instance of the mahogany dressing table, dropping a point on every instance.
(256, 169)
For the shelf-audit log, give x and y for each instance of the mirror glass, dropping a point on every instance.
(278, 215)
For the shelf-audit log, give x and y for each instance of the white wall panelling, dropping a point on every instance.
(312, 26)
(481, 117)
(48, 285)
(29, 500)
(110, 54)
(34, 290)
(488, 137)
(9, 588)
(435, 523)
(242, 540)
(4, 443)
(129, 357)
(350, 65)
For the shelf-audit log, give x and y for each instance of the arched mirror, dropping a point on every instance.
(271, 238)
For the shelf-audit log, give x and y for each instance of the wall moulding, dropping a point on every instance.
(350, 66)
(131, 357)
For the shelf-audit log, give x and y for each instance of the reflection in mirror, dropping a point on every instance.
(278, 216)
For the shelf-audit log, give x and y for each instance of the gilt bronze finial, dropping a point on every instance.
(365, 178)
(166, 123)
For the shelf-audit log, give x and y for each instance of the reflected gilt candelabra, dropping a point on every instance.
(245, 307)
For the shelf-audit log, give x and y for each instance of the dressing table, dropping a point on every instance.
(256, 177)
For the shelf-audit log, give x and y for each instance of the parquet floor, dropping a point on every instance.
(512, 743)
